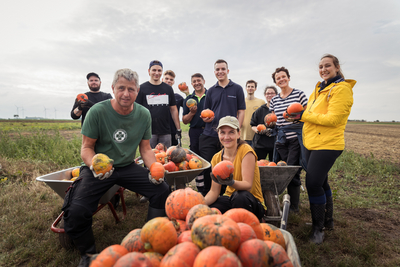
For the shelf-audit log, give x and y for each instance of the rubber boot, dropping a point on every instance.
(294, 193)
(329, 213)
(85, 245)
(318, 219)
(153, 213)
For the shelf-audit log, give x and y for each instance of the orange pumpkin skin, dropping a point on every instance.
(161, 147)
(154, 257)
(207, 113)
(180, 226)
(182, 86)
(180, 201)
(255, 253)
(271, 164)
(294, 108)
(132, 241)
(182, 254)
(272, 233)
(75, 172)
(195, 163)
(133, 259)
(247, 217)
(216, 256)
(160, 157)
(223, 169)
(157, 170)
(185, 236)
(184, 165)
(82, 98)
(196, 212)
(279, 254)
(216, 211)
(216, 230)
(269, 118)
(246, 232)
(261, 127)
(170, 166)
(102, 163)
(159, 235)
(191, 103)
(110, 255)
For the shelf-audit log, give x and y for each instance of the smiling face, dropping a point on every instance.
(155, 73)
(281, 79)
(327, 69)
(198, 84)
(94, 83)
(251, 88)
(228, 136)
(125, 93)
(221, 71)
(269, 94)
(168, 79)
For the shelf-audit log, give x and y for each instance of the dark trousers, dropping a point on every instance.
(290, 152)
(82, 199)
(209, 146)
(262, 153)
(240, 199)
(194, 136)
(319, 164)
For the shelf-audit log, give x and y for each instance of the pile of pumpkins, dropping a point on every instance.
(264, 162)
(173, 159)
(194, 234)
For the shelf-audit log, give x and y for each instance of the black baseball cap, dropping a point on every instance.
(155, 62)
(92, 74)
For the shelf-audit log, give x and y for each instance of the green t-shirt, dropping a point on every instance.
(118, 136)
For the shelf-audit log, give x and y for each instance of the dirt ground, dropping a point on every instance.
(381, 141)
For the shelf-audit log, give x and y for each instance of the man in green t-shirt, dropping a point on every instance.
(115, 127)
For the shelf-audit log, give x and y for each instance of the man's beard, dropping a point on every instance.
(94, 88)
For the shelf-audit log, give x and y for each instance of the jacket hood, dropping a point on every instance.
(350, 83)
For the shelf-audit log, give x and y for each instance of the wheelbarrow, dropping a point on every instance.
(59, 182)
(274, 180)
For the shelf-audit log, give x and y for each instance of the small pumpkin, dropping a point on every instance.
(132, 241)
(261, 127)
(255, 253)
(272, 233)
(178, 155)
(82, 98)
(271, 164)
(262, 162)
(75, 172)
(223, 169)
(180, 201)
(207, 113)
(159, 235)
(182, 254)
(281, 163)
(170, 166)
(294, 108)
(133, 259)
(182, 86)
(102, 163)
(160, 157)
(245, 216)
(169, 151)
(216, 256)
(184, 165)
(157, 171)
(196, 212)
(270, 118)
(110, 255)
(191, 103)
(195, 163)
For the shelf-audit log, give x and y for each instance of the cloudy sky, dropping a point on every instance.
(48, 47)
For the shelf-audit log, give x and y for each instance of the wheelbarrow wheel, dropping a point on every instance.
(65, 241)
(271, 203)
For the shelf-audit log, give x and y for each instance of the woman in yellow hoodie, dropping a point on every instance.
(325, 120)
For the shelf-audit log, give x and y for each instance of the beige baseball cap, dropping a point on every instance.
(229, 121)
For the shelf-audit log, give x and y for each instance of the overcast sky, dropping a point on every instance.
(48, 47)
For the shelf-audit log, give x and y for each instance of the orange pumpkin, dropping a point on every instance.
(255, 253)
(272, 233)
(262, 162)
(279, 254)
(281, 163)
(169, 151)
(207, 113)
(294, 108)
(270, 118)
(285, 116)
(75, 172)
(102, 163)
(170, 166)
(185, 236)
(216, 230)
(196, 212)
(157, 171)
(182, 254)
(180, 226)
(160, 157)
(132, 241)
(216, 211)
(223, 169)
(271, 164)
(216, 256)
(133, 259)
(156, 150)
(110, 255)
(154, 257)
(246, 232)
(82, 98)
(261, 127)
(184, 165)
(159, 235)
(247, 217)
(161, 147)
(180, 201)
(191, 103)
(182, 86)
(195, 163)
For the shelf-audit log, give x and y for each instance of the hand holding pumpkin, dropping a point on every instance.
(228, 181)
(102, 166)
(102, 176)
(294, 117)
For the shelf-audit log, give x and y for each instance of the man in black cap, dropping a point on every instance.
(94, 96)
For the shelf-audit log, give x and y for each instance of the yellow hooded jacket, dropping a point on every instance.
(326, 116)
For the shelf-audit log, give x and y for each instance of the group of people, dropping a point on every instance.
(142, 116)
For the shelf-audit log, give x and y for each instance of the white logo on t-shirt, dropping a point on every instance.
(157, 99)
(120, 135)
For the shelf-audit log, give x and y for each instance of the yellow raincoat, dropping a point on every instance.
(326, 116)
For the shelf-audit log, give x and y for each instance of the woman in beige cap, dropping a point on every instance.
(243, 188)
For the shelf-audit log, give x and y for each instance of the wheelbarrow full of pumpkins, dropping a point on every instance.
(274, 180)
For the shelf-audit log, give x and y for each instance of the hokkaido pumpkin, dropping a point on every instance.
(191, 103)
(75, 172)
(245, 216)
(110, 255)
(279, 254)
(180, 201)
(294, 108)
(102, 163)
(246, 232)
(216, 230)
(133, 242)
(170, 166)
(160, 157)
(133, 259)
(255, 253)
(182, 86)
(281, 163)
(196, 212)
(261, 127)
(271, 164)
(216, 256)
(159, 235)
(157, 171)
(195, 163)
(223, 169)
(207, 113)
(270, 118)
(272, 233)
(184, 165)
(182, 254)
(82, 98)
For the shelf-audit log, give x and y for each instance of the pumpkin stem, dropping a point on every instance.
(147, 246)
